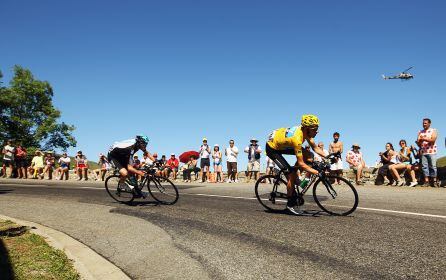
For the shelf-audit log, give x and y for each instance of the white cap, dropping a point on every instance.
(216, 145)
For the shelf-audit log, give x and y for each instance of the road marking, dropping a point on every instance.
(222, 196)
(403, 212)
(361, 208)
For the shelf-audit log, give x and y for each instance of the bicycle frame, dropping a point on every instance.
(313, 179)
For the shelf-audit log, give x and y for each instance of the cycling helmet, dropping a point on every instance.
(142, 139)
(309, 120)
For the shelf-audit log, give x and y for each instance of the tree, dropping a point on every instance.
(27, 113)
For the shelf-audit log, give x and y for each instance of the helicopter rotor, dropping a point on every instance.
(407, 69)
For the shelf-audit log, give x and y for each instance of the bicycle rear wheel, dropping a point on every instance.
(163, 190)
(336, 199)
(119, 194)
(272, 196)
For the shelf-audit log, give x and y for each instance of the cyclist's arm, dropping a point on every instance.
(149, 155)
(134, 170)
(315, 148)
(301, 163)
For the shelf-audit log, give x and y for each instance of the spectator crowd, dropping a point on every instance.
(406, 165)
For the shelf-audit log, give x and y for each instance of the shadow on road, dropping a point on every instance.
(143, 203)
(6, 271)
(5, 191)
(306, 213)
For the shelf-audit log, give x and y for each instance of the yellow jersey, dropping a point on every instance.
(287, 138)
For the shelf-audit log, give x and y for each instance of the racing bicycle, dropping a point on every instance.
(160, 188)
(332, 197)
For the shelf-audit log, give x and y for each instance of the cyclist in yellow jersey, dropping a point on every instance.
(288, 141)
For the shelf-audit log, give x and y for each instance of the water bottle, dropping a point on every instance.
(304, 182)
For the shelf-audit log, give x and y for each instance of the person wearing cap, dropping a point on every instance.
(81, 166)
(8, 159)
(289, 141)
(50, 161)
(205, 162)
(254, 151)
(171, 166)
(216, 155)
(37, 165)
(64, 167)
(356, 162)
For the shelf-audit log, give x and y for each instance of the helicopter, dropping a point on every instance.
(402, 76)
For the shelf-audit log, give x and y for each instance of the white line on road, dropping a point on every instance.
(253, 198)
(362, 208)
(403, 212)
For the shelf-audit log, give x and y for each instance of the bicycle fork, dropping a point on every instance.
(330, 189)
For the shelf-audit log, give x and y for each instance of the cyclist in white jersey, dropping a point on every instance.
(121, 153)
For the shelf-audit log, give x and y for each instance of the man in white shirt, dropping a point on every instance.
(205, 162)
(254, 151)
(8, 159)
(231, 153)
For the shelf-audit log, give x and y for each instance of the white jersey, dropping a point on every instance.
(123, 144)
(123, 149)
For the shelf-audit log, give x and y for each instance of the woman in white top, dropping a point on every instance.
(216, 155)
(64, 167)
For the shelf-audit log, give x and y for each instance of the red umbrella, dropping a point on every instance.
(185, 157)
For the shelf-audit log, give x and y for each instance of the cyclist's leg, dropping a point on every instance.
(135, 171)
(282, 163)
(121, 165)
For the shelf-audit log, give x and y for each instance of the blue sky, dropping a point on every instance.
(183, 70)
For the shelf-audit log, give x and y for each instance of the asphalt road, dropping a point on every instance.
(397, 233)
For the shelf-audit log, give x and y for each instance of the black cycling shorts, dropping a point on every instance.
(119, 161)
(276, 156)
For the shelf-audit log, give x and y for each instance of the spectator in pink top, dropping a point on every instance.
(356, 161)
(20, 161)
(426, 141)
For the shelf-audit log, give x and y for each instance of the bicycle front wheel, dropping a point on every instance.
(337, 198)
(272, 194)
(163, 190)
(123, 195)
